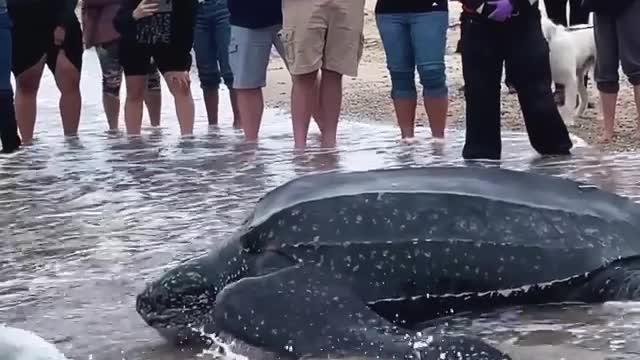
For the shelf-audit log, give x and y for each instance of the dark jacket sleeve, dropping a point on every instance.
(123, 22)
(66, 12)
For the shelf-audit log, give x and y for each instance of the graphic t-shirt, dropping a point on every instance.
(156, 29)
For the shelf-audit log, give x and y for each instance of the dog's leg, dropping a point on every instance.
(582, 91)
(567, 110)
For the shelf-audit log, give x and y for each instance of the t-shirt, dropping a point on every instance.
(410, 6)
(255, 14)
(156, 29)
(172, 25)
(54, 12)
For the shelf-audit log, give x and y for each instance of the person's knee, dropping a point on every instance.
(307, 79)
(433, 79)
(111, 84)
(608, 87)
(179, 87)
(209, 81)
(403, 85)
(153, 82)
(135, 89)
(634, 79)
(28, 84)
(68, 78)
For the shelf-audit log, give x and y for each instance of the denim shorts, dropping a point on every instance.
(109, 57)
(211, 44)
(5, 51)
(250, 52)
(415, 40)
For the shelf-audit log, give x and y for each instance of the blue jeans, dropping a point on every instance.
(415, 40)
(211, 44)
(5, 51)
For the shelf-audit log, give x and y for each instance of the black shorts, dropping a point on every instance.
(32, 41)
(136, 59)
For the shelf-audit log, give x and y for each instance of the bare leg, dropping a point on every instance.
(437, 109)
(133, 105)
(250, 108)
(153, 101)
(317, 113)
(68, 81)
(27, 84)
(302, 105)
(636, 91)
(330, 104)
(211, 103)
(608, 104)
(406, 113)
(237, 119)
(111, 105)
(181, 91)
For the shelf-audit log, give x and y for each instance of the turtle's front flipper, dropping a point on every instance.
(304, 312)
(618, 281)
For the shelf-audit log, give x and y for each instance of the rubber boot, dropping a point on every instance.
(8, 126)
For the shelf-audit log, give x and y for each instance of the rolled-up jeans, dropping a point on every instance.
(415, 40)
(211, 44)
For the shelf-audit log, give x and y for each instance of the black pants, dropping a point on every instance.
(557, 12)
(9, 138)
(507, 80)
(486, 45)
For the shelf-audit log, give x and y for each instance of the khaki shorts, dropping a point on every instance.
(323, 34)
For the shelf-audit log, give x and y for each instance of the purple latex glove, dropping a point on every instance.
(503, 10)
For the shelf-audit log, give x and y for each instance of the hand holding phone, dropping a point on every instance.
(146, 8)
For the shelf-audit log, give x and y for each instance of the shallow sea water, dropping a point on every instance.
(86, 222)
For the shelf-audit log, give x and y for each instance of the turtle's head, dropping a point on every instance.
(180, 304)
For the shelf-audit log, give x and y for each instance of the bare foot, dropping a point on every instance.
(438, 140)
(605, 138)
(408, 140)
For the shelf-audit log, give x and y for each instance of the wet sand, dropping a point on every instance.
(366, 97)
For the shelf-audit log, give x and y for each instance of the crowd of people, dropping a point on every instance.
(320, 41)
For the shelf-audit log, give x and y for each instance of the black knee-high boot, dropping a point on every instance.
(8, 126)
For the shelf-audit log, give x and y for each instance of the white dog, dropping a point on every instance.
(572, 54)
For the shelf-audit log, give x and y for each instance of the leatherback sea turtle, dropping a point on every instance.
(351, 264)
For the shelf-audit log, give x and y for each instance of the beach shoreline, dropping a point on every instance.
(366, 97)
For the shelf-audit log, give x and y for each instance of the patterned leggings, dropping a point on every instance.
(112, 70)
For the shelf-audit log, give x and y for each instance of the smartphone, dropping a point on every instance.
(164, 6)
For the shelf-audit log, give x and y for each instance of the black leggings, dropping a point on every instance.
(557, 12)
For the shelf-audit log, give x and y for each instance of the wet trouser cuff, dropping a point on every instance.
(8, 127)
